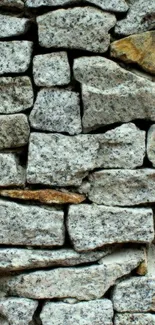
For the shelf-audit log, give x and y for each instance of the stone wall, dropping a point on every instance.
(77, 158)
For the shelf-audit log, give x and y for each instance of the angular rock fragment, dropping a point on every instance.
(135, 295)
(134, 319)
(138, 48)
(15, 56)
(31, 225)
(14, 259)
(11, 171)
(44, 196)
(112, 94)
(13, 26)
(140, 18)
(57, 110)
(98, 312)
(84, 28)
(51, 69)
(12, 3)
(16, 94)
(122, 187)
(151, 144)
(92, 226)
(14, 131)
(84, 283)
(17, 310)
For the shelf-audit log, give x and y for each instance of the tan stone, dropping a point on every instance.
(44, 196)
(138, 48)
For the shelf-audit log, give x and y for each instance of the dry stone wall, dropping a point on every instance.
(77, 158)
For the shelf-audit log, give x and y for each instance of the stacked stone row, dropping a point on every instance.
(77, 158)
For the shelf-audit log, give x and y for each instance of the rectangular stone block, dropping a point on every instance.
(13, 26)
(11, 171)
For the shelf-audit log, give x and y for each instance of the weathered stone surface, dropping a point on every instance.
(17, 311)
(57, 110)
(92, 226)
(11, 171)
(122, 187)
(112, 94)
(12, 3)
(84, 283)
(151, 144)
(16, 94)
(84, 28)
(134, 319)
(140, 18)
(13, 26)
(15, 56)
(151, 261)
(14, 259)
(14, 131)
(44, 196)
(135, 295)
(139, 48)
(111, 5)
(98, 312)
(51, 69)
(31, 225)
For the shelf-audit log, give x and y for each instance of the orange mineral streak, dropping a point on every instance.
(44, 196)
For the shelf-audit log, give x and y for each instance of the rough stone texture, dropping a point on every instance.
(51, 69)
(140, 18)
(16, 94)
(31, 225)
(151, 261)
(14, 131)
(13, 259)
(122, 187)
(13, 26)
(134, 319)
(135, 295)
(12, 3)
(98, 312)
(139, 48)
(151, 144)
(15, 56)
(111, 5)
(57, 110)
(84, 283)
(11, 171)
(112, 94)
(17, 311)
(84, 28)
(92, 226)
(44, 196)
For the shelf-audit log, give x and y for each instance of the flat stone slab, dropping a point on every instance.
(12, 3)
(84, 283)
(16, 94)
(140, 18)
(57, 110)
(51, 69)
(84, 28)
(15, 56)
(13, 26)
(134, 319)
(11, 171)
(31, 225)
(122, 187)
(14, 131)
(151, 144)
(17, 311)
(91, 226)
(126, 96)
(14, 259)
(98, 312)
(134, 295)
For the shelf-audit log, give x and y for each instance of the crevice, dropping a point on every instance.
(36, 316)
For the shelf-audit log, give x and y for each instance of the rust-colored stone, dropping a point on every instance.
(47, 196)
(138, 48)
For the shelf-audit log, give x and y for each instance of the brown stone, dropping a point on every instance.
(44, 196)
(138, 48)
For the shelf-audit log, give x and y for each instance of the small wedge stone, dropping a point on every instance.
(31, 225)
(151, 144)
(12, 3)
(98, 312)
(15, 56)
(84, 28)
(14, 131)
(11, 171)
(134, 319)
(13, 26)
